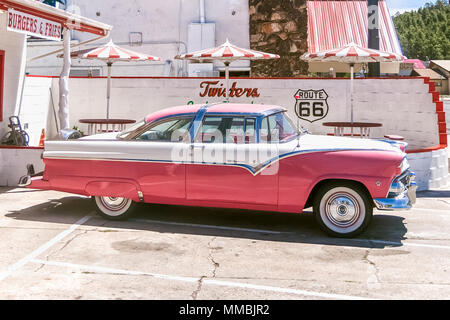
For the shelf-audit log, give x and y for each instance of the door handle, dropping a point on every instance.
(197, 146)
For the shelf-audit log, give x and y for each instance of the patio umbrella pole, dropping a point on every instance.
(108, 90)
(227, 77)
(351, 93)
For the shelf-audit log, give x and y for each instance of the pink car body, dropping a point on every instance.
(282, 175)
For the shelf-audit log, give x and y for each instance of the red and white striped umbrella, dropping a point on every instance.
(111, 53)
(227, 53)
(353, 53)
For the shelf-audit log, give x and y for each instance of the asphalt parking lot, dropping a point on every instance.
(54, 246)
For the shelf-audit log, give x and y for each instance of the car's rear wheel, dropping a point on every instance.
(114, 208)
(342, 209)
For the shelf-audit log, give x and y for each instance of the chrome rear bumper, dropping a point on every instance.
(405, 199)
(26, 180)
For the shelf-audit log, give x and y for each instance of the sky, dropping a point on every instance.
(405, 5)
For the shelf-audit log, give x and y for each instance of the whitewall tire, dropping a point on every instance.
(342, 209)
(114, 208)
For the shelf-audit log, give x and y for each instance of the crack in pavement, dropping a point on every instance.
(374, 280)
(66, 243)
(210, 256)
(199, 287)
(213, 272)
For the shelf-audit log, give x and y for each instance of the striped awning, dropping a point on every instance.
(227, 52)
(353, 53)
(112, 53)
(333, 24)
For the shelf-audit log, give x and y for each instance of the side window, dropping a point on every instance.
(236, 132)
(276, 127)
(250, 130)
(210, 131)
(264, 131)
(170, 130)
(221, 130)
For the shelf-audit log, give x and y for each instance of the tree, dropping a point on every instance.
(425, 32)
(53, 2)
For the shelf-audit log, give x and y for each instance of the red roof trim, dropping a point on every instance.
(16, 147)
(429, 149)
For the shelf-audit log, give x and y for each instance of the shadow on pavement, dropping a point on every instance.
(385, 230)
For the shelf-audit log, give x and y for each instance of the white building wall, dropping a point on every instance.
(14, 45)
(14, 164)
(164, 28)
(403, 106)
(431, 169)
(36, 105)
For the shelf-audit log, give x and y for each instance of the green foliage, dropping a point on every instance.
(53, 2)
(425, 32)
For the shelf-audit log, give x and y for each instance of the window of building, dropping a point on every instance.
(91, 72)
(236, 73)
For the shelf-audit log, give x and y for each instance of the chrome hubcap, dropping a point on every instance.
(342, 210)
(114, 203)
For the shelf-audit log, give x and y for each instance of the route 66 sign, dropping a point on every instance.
(311, 105)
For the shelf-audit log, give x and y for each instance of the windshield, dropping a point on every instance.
(126, 132)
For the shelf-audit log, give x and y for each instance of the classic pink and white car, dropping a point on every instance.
(228, 155)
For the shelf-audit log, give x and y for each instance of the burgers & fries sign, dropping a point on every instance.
(33, 26)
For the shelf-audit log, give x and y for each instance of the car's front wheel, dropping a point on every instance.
(114, 208)
(342, 209)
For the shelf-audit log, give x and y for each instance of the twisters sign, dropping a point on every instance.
(32, 25)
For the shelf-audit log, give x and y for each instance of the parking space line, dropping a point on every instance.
(283, 290)
(208, 226)
(42, 248)
(114, 271)
(204, 281)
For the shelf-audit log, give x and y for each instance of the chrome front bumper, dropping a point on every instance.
(403, 200)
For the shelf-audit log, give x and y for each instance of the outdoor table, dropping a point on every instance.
(106, 125)
(364, 127)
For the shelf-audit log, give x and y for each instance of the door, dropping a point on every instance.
(225, 163)
(165, 144)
